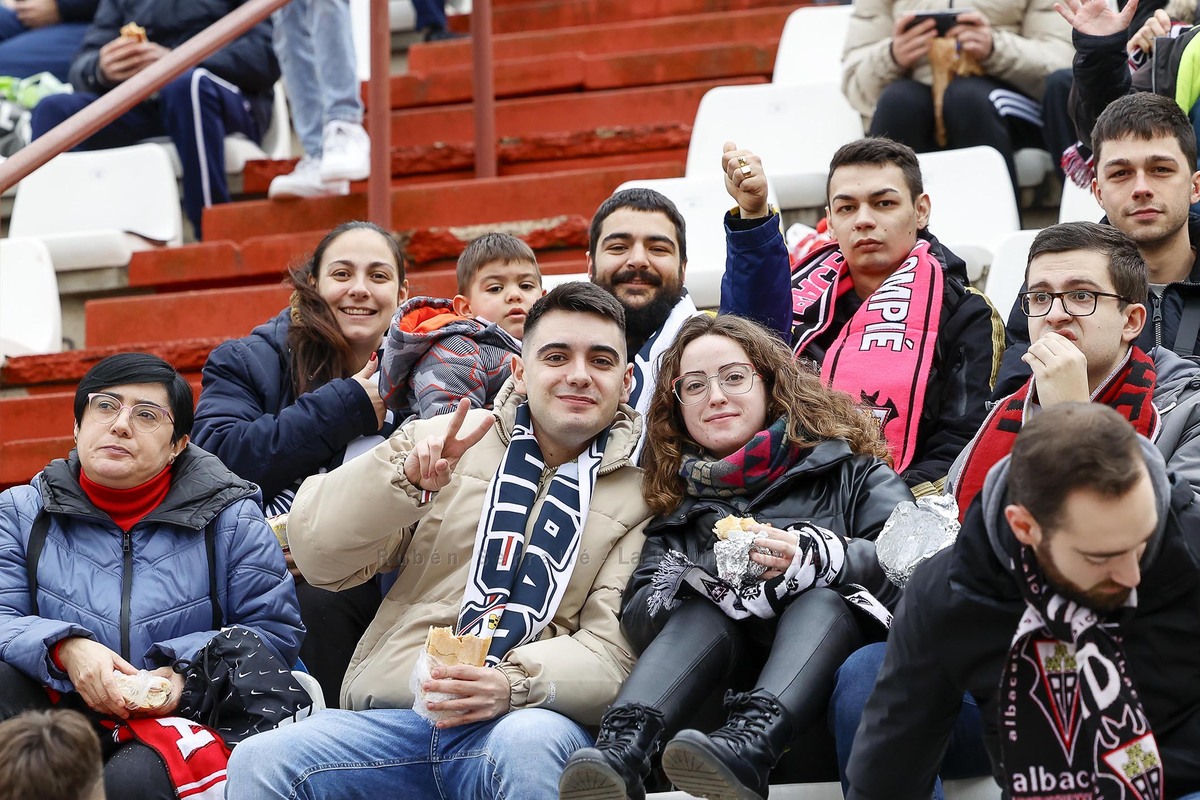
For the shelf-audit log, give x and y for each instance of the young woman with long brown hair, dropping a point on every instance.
(300, 395)
(736, 428)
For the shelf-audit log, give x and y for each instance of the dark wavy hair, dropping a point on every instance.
(815, 413)
(318, 347)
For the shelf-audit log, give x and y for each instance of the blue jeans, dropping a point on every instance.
(316, 54)
(197, 110)
(28, 51)
(395, 753)
(966, 756)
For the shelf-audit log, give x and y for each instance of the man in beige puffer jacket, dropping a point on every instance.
(416, 501)
(887, 77)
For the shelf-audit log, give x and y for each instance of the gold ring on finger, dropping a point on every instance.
(741, 161)
(746, 171)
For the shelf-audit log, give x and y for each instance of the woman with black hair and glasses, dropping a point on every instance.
(300, 395)
(736, 428)
(104, 564)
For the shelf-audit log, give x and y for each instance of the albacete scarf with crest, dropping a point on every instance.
(883, 355)
(1071, 724)
(1129, 389)
(518, 580)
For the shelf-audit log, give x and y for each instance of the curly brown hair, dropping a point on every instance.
(815, 413)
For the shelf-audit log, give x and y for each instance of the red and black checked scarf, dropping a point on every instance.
(883, 355)
(746, 471)
(1129, 390)
(1071, 724)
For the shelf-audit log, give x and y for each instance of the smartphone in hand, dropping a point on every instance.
(944, 19)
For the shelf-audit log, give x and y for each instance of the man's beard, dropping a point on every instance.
(1098, 598)
(641, 323)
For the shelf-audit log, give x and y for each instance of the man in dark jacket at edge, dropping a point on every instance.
(871, 283)
(1144, 148)
(1067, 609)
(229, 92)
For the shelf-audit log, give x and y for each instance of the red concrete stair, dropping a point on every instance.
(222, 313)
(550, 14)
(21, 460)
(577, 71)
(758, 25)
(536, 116)
(465, 202)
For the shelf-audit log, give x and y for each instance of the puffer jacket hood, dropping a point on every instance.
(201, 486)
(420, 325)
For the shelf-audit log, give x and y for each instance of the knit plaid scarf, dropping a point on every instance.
(1071, 723)
(755, 466)
(1129, 389)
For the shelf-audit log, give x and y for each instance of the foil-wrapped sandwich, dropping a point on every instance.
(142, 690)
(914, 533)
(735, 540)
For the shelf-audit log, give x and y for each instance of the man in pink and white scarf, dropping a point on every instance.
(884, 312)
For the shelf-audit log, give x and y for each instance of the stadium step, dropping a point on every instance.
(465, 202)
(583, 72)
(549, 14)
(264, 259)
(760, 25)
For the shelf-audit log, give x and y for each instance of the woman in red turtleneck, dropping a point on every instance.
(122, 580)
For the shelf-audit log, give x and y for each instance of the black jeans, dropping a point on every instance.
(905, 113)
(132, 771)
(335, 621)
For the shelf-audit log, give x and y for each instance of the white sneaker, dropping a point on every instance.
(345, 152)
(305, 181)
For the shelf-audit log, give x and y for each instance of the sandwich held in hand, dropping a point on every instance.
(447, 649)
(443, 649)
(143, 691)
(735, 540)
(133, 31)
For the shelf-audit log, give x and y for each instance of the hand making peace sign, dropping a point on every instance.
(433, 459)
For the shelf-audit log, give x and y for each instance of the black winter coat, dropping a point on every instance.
(249, 417)
(956, 622)
(248, 62)
(830, 487)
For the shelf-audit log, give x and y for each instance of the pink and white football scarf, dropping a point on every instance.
(882, 357)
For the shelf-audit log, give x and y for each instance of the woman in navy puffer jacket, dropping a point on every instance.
(122, 581)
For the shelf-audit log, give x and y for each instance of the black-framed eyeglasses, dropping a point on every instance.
(1077, 302)
(144, 417)
(693, 387)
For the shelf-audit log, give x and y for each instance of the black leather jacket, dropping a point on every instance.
(830, 487)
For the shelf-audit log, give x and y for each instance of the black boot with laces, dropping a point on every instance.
(735, 761)
(617, 766)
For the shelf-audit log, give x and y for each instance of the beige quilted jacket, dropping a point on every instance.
(365, 516)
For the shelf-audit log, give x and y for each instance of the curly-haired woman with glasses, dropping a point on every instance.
(736, 428)
(123, 557)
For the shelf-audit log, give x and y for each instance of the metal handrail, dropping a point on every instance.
(129, 93)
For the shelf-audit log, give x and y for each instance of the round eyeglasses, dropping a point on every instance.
(733, 378)
(1077, 302)
(143, 417)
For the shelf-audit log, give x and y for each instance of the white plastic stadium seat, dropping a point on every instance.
(1008, 270)
(95, 208)
(1078, 205)
(973, 206)
(795, 129)
(703, 202)
(30, 314)
(810, 48)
